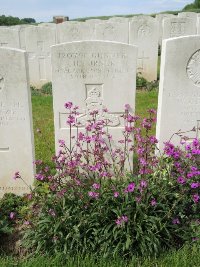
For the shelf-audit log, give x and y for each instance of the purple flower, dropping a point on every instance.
(131, 187)
(153, 202)
(96, 186)
(175, 221)
(27, 223)
(68, 105)
(39, 177)
(194, 185)
(52, 212)
(143, 183)
(116, 194)
(61, 143)
(16, 176)
(181, 180)
(121, 220)
(71, 119)
(93, 194)
(196, 198)
(127, 107)
(12, 215)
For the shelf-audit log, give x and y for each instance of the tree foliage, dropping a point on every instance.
(192, 6)
(9, 20)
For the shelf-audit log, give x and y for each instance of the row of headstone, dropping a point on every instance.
(142, 31)
(90, 74)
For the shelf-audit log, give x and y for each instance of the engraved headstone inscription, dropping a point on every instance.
(144, 34)
(38, 43)
(176, 27)
(9, 37)
(160, 18)
(113, 31)
(16, 134)
(179, 92)
(75, 31)
(93, 75)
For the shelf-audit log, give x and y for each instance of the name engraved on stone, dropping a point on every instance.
(193, 68)
(83, 66)
(177, 29)
(11, 113)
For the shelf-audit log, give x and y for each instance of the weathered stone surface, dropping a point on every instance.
(144, 34)
(75, 31)
(179, 92)
(160, 18)
(176, 27)
(9, 37)
(16, 134)
(93, 74)
(112, 31)
(38, 43)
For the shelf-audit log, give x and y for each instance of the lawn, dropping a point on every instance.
(185, 257)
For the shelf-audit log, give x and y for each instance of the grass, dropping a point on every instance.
(42, 106)
(186, 257)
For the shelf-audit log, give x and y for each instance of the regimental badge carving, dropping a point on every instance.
(1, 83)
(109, 30)
(144, 31)
(177, 29)
(193, 68)
(94, 101)
(74, 31)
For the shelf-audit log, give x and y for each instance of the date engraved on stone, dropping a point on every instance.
(193, 68)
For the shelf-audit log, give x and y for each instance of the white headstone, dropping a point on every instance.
(75, 31)
(119, 19)
(22, 38)
(176, 27)
(9, 38)
(160, 18)
(16, 133)
(38, 43)
(179, 92)
(112, 31)
(189, 15)
(95, 21)
(82, 70)
(144, 34)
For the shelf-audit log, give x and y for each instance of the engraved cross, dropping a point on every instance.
(141, 61)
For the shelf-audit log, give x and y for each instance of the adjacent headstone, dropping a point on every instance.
(38, 43)
(112, 31)
(176, 27)
(179, 92)
(189, 15)
(16, 133)
(75, 31)
(119, 19)
(9, 37)
(144, 34)
(93, 74)
(95, 21)
(160, 18)
(22, 39)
